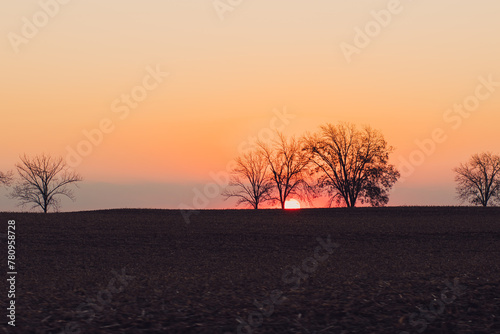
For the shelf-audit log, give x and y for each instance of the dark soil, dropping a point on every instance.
(425, 269)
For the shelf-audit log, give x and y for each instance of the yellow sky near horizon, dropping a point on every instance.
(227, 76)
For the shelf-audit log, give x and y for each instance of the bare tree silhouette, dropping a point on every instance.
(250, 180)
(41, 180)
(6, 178)
(289, 168)
(352, 164)
(478, 180)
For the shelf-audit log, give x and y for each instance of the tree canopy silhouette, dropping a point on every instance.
(352, 164)
(250, 181)
(288, 164)
(478, 180)
(42, 180)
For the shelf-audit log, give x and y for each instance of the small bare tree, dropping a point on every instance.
(352, 164)
(250, 180)
(288, 164)
(6, 178)
(41, 180)
(478, 180)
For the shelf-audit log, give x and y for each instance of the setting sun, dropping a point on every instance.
(292, 204)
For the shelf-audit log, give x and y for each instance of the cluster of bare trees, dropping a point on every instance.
(271, 173)
(347, 164)
(40, 182)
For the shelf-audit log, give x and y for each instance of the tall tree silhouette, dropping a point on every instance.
(288, 164)
(352, 164)
(250, 180)
(478, 180)
(42, 180)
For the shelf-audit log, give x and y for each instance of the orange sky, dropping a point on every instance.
(225, 78)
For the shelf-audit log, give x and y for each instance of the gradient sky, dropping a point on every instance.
(227, 78)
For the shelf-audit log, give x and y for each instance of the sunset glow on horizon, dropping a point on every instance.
(292, 204)
(151, 103)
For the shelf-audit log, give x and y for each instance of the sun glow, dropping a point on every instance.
(292, 204)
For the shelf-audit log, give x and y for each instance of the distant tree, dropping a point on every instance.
(250, 180)
(478, 180)
(42, 180)
(6, 178)
(288, 164)
(352, 164)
